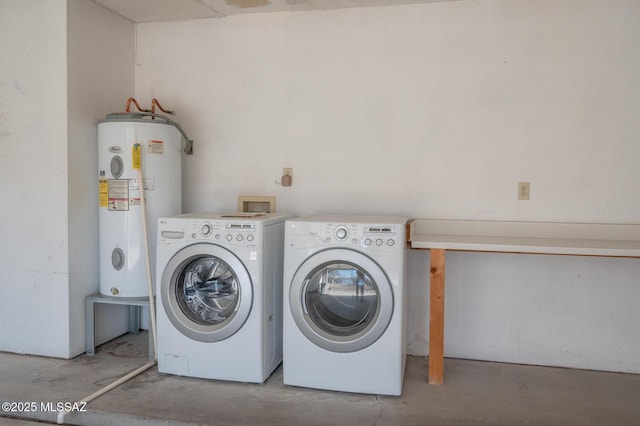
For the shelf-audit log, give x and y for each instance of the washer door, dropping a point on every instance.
(341, 300)
(206, 292)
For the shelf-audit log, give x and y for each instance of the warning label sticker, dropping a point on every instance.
(155, 147)
(136, 154)
(149, 184)
(118, 195)
(103, 191)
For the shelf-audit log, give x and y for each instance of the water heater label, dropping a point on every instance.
(149, 184)
(103, 190)
(155, 147)
(135, 156)
(118, 193)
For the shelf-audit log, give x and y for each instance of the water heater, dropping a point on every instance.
(124, 142)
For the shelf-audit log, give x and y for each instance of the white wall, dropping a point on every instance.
(60, 74)
(100, 80)
(570, 311)
(34, 293)
(434, 110)
(431, 111)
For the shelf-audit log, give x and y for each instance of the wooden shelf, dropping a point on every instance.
(439, 235)
(586, 239)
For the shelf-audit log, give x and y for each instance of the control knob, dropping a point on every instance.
(205, 229)
(341, 233)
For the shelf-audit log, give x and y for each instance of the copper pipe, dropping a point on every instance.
(128, 109)
(155, 102)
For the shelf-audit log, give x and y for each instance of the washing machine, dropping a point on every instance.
(344, 303)
(219, 291)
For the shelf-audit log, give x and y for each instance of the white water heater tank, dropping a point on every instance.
(122, 140)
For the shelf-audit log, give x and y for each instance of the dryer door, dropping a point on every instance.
(341, 300)
(206, 292)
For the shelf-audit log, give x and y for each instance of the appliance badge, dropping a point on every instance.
(116, 149)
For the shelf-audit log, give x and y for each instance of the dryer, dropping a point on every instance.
(219, 285)
(344, 303)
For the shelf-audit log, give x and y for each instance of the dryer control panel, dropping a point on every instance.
(373, 236)
(364, 233)
(380, 235)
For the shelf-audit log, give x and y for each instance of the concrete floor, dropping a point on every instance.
(475, 393)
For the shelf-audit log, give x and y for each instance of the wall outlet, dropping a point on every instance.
(523, 190)
(287, 171)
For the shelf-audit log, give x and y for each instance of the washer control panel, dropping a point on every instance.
(206, 229)
(231, 233)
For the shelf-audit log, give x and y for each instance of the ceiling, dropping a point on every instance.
(179, 10)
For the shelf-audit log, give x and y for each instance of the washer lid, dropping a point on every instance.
(206, 292)
(341, 300)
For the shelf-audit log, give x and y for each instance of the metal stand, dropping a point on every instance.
(133, 314)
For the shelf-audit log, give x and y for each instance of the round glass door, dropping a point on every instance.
(206, 292)
(341, 300)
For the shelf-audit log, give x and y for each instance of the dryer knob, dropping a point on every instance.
(378, 242)
(342, 233)
(229, 237)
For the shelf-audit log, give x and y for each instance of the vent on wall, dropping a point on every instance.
(256, 204)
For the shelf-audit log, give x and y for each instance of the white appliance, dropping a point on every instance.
(219, 290)
(344, 303)
(123, 270)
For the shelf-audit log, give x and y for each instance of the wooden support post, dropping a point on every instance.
(436, 317)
